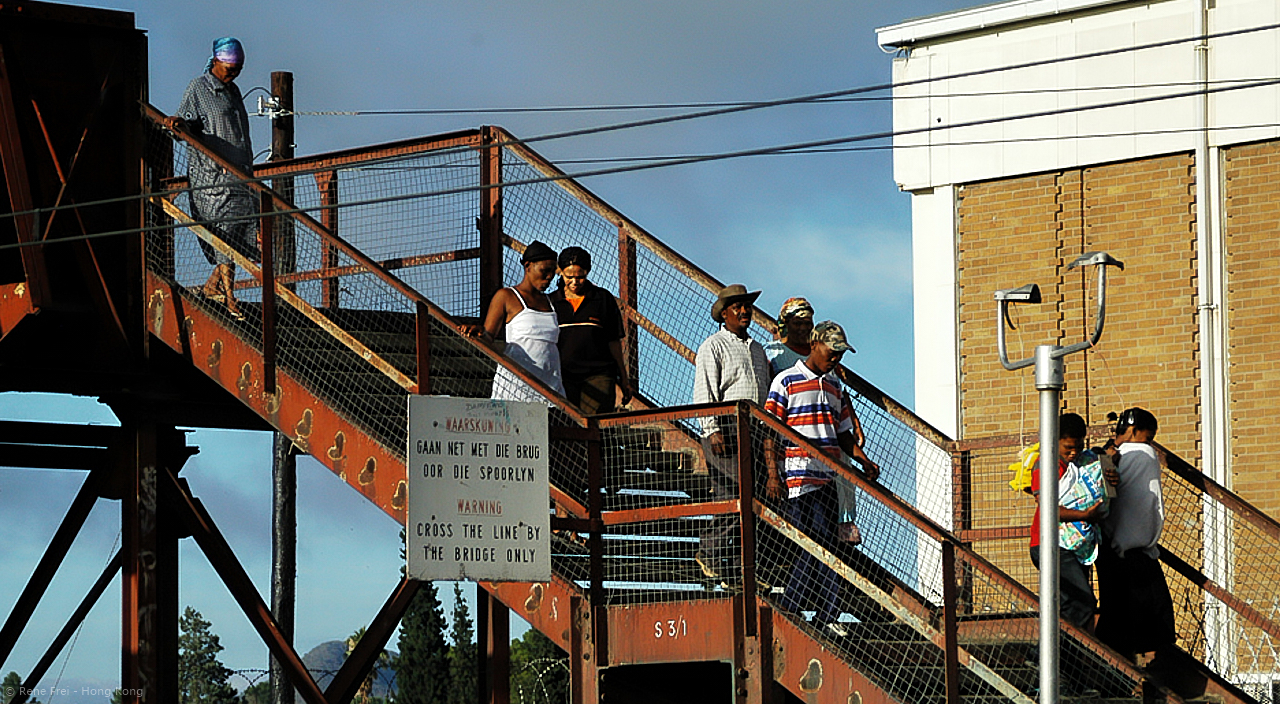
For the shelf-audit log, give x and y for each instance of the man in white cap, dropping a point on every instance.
(730, 366)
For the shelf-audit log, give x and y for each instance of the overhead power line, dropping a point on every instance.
(664, 163)
(633, 107)
(829, 95)
(819, 97)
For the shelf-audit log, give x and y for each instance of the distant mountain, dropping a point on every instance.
(324, 661)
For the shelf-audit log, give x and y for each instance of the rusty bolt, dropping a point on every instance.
(744, 673)
(742, 691)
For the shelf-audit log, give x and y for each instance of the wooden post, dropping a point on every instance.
(284, 465)
(282, 148)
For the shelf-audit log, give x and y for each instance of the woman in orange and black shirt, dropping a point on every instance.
(591, 332)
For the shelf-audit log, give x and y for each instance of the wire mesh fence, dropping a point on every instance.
(1209, 538)
(350, 332)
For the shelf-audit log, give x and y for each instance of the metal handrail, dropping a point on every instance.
(420, 302)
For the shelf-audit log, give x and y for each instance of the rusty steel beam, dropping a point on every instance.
(223, 560)
(663, 336)
(545, 605)
(16, 180)
(746, 612)
(1241, 508)
(672, 632)
(629, 300)
(595, 547)
(568, 503)
(489, 219)
(950, 634)
(356, 668)
(815, 674)
(493, 624)
(584, 673)
(330, 161)
(48, 565)
(375, 471)
(328, 273)
(49, 457)
(657, 513)
(15, 304)
(327, 185)
(1240, 606)
(87, 120)
(316, 164)
(670, 413)
(978, 535)
(422, 328)
(268, 275)
(86, 255)
(68, 629)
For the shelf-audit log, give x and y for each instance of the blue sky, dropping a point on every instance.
(831, 227)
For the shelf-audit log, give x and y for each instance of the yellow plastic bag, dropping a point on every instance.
(1028, 457)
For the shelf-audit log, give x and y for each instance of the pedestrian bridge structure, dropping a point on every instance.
(371, 258)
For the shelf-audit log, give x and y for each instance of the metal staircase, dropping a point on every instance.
(370, 258)
(333, 341)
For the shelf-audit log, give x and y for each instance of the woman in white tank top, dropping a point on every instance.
(531, 325)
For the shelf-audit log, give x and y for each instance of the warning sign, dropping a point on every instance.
(478, 490)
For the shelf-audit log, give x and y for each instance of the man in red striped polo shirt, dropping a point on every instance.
(808, 397)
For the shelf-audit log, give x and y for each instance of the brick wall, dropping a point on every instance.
(1026, 230)
(1253, 315)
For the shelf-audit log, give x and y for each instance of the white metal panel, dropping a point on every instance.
(935, 305)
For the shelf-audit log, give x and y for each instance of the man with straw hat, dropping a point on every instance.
(730, 366)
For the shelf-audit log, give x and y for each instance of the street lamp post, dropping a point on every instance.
(1049, 370)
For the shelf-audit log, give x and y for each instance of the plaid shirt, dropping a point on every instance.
(729, 368)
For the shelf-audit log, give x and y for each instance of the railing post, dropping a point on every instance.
(490, 221)
(746, 519)
(961, 497)
(494, 656)
(595, 545)
(950, 634)
(423, 348)
(628, 294)
(159, 157)
(268, 295)
(327, 183)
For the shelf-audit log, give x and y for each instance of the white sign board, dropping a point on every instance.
(478, 490)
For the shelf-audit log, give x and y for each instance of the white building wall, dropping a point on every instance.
(963, 113)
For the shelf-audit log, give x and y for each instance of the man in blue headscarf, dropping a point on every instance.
(212, 108)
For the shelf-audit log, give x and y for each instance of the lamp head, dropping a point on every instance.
(1022, 294)
(1095, 259)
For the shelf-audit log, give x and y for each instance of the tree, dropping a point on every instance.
(539, 670)
(259, 693)
(422, 668)
(462, 656)
(202, 678)
(9, 690)
(364, 695)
